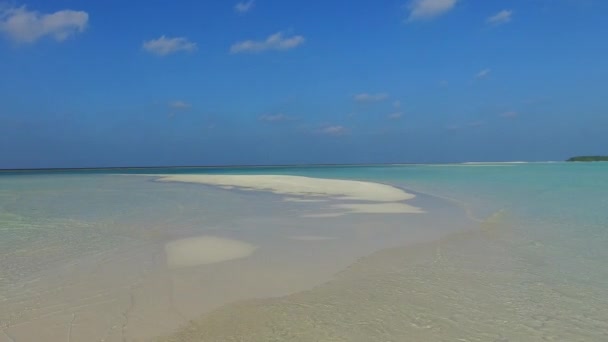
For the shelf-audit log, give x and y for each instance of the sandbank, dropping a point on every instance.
(368, 208)
(204, 250)
(300, 186)
(379, 208)
(302, 200)
(311, 238)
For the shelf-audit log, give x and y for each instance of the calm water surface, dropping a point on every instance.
(531, 265)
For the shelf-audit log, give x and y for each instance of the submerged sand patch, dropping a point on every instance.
(311, 238)
(205, 250)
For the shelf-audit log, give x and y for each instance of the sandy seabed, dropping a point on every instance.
(471, 286)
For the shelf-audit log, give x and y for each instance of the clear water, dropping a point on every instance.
(531, 268)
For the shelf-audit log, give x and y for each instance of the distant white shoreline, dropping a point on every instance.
(278, 166)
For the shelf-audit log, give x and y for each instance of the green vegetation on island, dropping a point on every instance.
(588, 158)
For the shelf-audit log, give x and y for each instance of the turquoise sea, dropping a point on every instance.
(505, 252)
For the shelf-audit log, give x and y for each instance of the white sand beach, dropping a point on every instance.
(382, 198)
(380, 208)
(300, 186)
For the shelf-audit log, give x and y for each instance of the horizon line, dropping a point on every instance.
(219, 166)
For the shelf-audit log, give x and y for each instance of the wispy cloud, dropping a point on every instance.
(428, 9)
(444, 83)
(164, 45)
(483, 74)
(467, 125)
(180, 105)
(366, 97)
(277, 42)
(23, 25)
(500, 18)
(244, 6)
(476, 124)
(537, 101)
(332, 130)
(280, 117)
(509, 115)
(395, 116)
(397, 104)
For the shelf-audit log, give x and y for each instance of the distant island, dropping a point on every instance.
(588, 158)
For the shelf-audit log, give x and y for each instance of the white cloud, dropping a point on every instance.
(509, 115)
(483, 74)
(500, 18)
(22, 25)
(366, 97)
(180, 105)
(280, 117)
(333, 130)
(276, 41)
(444, 83)
(428, 9)
(395, 116)
(397, 104)
(164, 46)
(244, 6)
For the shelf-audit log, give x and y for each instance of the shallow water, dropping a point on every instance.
(83, 256)
(533, 270)
(91, 256)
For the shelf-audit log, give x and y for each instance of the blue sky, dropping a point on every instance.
(118, 83)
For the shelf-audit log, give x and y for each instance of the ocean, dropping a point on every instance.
(502, 252)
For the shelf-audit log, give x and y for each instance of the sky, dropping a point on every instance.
(131, 83)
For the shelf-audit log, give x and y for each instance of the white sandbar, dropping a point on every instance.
(368, 208)
(302, 200)
(379, 208)
(205, 250)
(300, 186)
